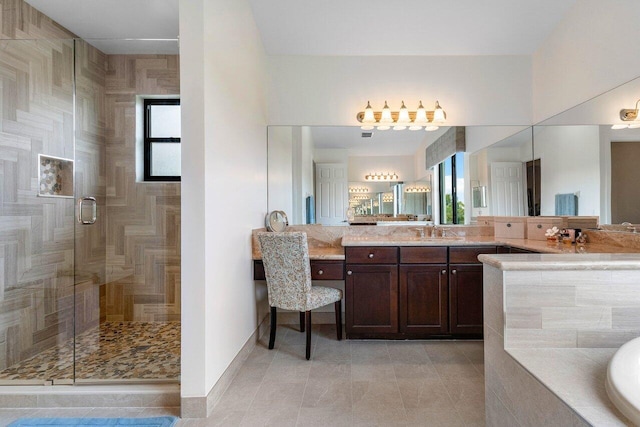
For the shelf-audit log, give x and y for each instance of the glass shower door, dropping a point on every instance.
(127, 262)
(36, 212)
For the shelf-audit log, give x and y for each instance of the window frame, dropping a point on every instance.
(148, 140)
(454, 191)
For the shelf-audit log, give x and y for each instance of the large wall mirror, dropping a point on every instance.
(586, 166)
(344, 175)
(574, 163)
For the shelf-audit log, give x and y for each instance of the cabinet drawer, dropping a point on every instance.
(423, 255)
(320, 270)
(371, 255)
(469, 255)
(327, 270)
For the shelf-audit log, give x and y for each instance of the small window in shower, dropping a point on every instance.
(162, 140)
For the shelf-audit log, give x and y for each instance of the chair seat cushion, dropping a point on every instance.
(322, 295)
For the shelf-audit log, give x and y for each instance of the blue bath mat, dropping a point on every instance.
(95, 422)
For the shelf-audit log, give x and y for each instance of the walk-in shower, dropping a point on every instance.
(89, 251)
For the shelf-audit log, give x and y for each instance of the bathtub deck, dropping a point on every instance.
(577, 376)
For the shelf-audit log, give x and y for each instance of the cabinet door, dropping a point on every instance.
(424, 299)
(371, 299)
(465, 286)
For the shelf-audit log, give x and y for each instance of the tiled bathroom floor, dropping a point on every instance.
(114, 351)
(346, 383)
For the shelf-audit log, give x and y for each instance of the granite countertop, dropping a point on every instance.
(328, 243)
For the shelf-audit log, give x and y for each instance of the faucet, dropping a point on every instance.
(420, 232)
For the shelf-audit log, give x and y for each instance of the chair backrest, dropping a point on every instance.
(286, 265)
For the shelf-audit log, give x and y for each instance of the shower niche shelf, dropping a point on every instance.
(55, 176)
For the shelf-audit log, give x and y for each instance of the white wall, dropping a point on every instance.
(281, 176)
(223, 80)
(360, 166)
(592, 50)
(479, 137)
(570, 163)
(330, 90)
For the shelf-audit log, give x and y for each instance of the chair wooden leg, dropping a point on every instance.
(338, 308)
(301, 321)
(272, 335)
(308, 325)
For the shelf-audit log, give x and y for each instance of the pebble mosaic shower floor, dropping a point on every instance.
(113, 351)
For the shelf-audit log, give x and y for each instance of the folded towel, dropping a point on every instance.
(566, 204)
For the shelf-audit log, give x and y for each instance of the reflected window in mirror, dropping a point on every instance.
(451, 173)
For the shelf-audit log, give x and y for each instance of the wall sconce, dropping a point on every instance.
(629, 115)
(381, 177)
(400, 120)
(417, 190)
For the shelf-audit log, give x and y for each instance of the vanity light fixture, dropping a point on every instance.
(360, 197)
(417, 190)
(381, 177)
(387, 198)
(629, 115)
(358, 190)
(403, 119)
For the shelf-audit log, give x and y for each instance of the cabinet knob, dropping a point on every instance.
(508, 224)
(444, 271)
(539, 226)
(320, 272)
(454, 271)
(370, 255)
(349, 273)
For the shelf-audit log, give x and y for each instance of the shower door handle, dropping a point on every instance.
(85, 203)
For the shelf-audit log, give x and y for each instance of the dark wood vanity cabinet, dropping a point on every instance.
(371, 288)
(424, 291)
(465, 289)
(424, 299)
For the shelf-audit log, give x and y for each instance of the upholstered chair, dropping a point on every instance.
(286, 265)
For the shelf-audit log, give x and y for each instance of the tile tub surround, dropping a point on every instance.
(551, 325)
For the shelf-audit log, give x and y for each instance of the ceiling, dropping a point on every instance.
(406, 27)
(112, 21)
(382, 143)
(333, 27)
(330, 27)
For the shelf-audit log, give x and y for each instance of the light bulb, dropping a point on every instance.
(616, 127)
(439, 116)
(431, 128)
(386, 114)
(421, 118)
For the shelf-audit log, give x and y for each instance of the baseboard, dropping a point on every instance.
(201, 407)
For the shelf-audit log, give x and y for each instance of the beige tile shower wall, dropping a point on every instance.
(143, 219)
(90, 245)
(36, 233)
(571, 308)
